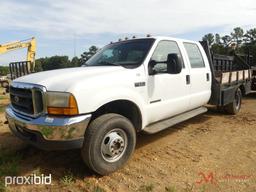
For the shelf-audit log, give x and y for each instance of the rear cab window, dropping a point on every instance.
(194, 54)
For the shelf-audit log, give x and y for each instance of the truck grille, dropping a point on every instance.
(27, 101)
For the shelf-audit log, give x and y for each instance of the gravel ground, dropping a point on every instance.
(211, 152)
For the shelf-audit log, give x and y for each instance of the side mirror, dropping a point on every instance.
(151, 66)
(174, 64)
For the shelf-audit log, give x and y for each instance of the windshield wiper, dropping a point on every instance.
(108, 63)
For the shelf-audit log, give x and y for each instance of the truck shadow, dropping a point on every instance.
(147, 139)
(61, 163)
(251, 95)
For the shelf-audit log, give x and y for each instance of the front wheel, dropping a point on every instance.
(234, 107)
(109, 142)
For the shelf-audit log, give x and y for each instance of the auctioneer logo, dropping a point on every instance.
(32, 179)
(212, 178)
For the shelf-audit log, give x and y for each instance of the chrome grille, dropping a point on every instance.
(27, 100)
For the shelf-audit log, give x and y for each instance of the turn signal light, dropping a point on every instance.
(72, 108)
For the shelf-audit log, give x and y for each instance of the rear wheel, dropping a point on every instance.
(109, 142)
(234, 107)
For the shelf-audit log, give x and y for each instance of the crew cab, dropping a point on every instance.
(141, 84)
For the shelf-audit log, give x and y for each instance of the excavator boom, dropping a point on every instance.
(30, 44)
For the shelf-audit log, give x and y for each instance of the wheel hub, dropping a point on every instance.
(113, 145)
(237, 101)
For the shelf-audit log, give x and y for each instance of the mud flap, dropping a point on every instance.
(228, 95)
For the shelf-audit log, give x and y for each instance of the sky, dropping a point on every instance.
(64, 27)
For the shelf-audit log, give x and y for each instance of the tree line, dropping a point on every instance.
(238, 40)
(58, 62)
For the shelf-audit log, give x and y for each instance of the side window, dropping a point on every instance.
(161, 52)
(194, 55)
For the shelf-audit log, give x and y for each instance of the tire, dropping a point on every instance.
(220, 109)
(234, 107)
(5, 84)
(106, 135)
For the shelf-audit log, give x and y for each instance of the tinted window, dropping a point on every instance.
(129, 53)
(194, 55)
(161, 52)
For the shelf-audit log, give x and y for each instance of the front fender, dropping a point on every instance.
(89, 102)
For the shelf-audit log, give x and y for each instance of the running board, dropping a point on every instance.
(164, 124)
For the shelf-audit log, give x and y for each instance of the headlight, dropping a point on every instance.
(59, 103)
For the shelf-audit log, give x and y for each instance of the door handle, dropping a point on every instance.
(207, 77)
(188, 79)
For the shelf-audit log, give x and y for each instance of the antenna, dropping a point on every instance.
(74, 44)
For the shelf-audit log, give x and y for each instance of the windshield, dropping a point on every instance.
(128, 54)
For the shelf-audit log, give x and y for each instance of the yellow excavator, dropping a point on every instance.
(21, 68)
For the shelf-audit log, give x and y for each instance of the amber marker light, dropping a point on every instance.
(61, 104)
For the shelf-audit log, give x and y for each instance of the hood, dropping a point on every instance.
(64, 79)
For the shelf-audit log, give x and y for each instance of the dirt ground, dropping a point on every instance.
(211, 152)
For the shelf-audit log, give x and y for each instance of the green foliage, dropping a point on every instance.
(2, 108)
(9, 166)
(4, 70)
(38, 64)
(75, 62)
(209, 37)
(146, 188)
(59, 62)
(98, 189)
(88, 54)
(67, 179)
(9, 162)
(170, 189)
(250, 36)
(55, 62)
(2, 186)
(237, 41)
(237, 35)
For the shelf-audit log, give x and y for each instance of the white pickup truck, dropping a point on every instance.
(141, 84)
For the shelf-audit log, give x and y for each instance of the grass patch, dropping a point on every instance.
(2, 186)
(9, 166)
(9, 163)
(98, 189)
(67, 179)
(2, 97)
(146, 188)
(2, 108)
(170, 189)
(203, 188)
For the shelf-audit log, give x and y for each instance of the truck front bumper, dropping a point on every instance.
(49, 132)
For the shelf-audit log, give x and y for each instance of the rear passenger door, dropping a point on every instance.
(200, 75)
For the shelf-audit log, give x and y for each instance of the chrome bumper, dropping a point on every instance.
(49, 132)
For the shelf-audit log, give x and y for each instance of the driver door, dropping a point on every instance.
(168, 94)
